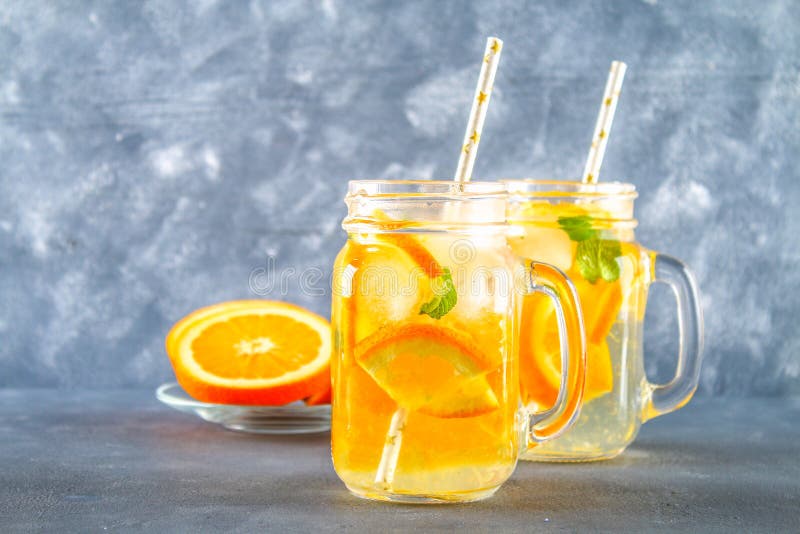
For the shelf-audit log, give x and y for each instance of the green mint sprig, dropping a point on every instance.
(445, 297)
(578, 228)
(595, 257)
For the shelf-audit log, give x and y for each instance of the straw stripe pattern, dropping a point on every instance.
(477, 116)
(604, 119)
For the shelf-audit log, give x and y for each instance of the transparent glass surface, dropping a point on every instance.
(588, 232)
(294, 418)
(426, 404)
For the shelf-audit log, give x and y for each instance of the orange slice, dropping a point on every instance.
(252, 352)
(600, 303)
(420, 255)
(392, 281)
(388, 287)
(599, 374)
(430, 369)
(408, 244)
(540, 353)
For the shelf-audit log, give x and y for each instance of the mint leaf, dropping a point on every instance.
(579, 228)
(597, 258)
(610, 250)
(586, 260)
(445, 296)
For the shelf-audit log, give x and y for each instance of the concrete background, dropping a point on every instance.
(155, 154)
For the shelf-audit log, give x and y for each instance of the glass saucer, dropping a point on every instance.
(294, 418)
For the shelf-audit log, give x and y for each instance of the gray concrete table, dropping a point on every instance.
(91, 461)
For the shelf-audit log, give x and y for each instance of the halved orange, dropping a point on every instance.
(431, 369)
(252, 352)
(321, 397)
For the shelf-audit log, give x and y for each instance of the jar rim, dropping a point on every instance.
(425, 188)
(531, 187)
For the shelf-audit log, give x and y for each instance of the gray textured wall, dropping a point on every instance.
(154, 154)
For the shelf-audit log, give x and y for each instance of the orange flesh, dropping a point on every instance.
(251, 353)
(255, 346)
(415, 251)
(430, 369)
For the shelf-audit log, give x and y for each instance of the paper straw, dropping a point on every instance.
(391, 449)
(604, 119)
(483, 93)
(469, 150)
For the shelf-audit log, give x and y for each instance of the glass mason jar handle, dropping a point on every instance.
(661, 399)
(551, 423)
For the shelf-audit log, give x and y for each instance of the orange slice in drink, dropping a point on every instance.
(388, 287)
(600, 303)
(540, 353)
(409, 244)
(420, 255)
(430, 369)
(599, 374)
(251, 352)
(392, 281)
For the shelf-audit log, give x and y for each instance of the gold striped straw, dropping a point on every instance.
(604, 120)
(387, 466)
(483, 93)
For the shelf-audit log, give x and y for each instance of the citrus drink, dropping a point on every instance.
(608, 270)
(425, 318)
(424, 386)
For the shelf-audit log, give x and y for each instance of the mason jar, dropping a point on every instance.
(426, 317)
(587, 230)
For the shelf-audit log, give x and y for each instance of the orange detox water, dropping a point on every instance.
(608, 271)
(450, 373)
(426, 316)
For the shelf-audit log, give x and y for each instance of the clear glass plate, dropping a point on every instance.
(294, 418)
